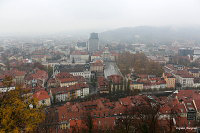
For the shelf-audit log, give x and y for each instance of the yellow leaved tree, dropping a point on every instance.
(18, 112)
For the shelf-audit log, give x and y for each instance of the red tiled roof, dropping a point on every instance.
(14, 72)
(186, 76)
(97, 63)
(143, 75)
(77, 86)
(38, 74)
(125, 101)
(41, 95)
(189, 94)
(168, 75)
(165, 109)
(155, 79)
(60, 90)
(52, 80)
(99, 53)
(161, 82)
(170, 66)
(115, 78)
(64, 75)
(63, 90)
(181, 72)
(18, 73)
(79, 78)
(67, 80)
(101, 108)
(183, 122)
(102, 81)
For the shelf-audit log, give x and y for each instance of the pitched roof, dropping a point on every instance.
(183, 74)
(41, 95)
(67, 80)
(80, 79)
(63, 90)
(102, 81)
(77, 86)
(194, 70)
(97, 63)
(98, 53)
(169, 75)
(117, 79)
(64, 75)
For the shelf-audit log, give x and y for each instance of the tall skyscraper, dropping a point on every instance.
(93, 43)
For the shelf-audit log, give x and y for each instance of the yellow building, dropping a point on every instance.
(170, 80)
(136, 85)
(67, 82)
(194, 72)
(97, 66)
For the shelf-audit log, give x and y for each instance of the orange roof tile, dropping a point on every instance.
(41, 95)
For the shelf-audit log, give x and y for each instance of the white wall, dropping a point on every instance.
(6, 89)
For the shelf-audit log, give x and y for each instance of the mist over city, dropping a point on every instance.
(100, 66)
(44, 16)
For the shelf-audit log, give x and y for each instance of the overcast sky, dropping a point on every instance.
(68, 15)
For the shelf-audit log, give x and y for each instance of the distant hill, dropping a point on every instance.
(147, 34)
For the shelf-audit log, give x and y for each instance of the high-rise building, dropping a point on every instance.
(93, 43)
(185, 51)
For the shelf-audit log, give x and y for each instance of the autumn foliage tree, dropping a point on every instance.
(139, 63)
(18, 112)
(124, 62)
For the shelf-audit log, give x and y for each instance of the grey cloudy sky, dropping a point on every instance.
(68, 15)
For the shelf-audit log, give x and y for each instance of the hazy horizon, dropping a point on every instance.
(49, 16)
